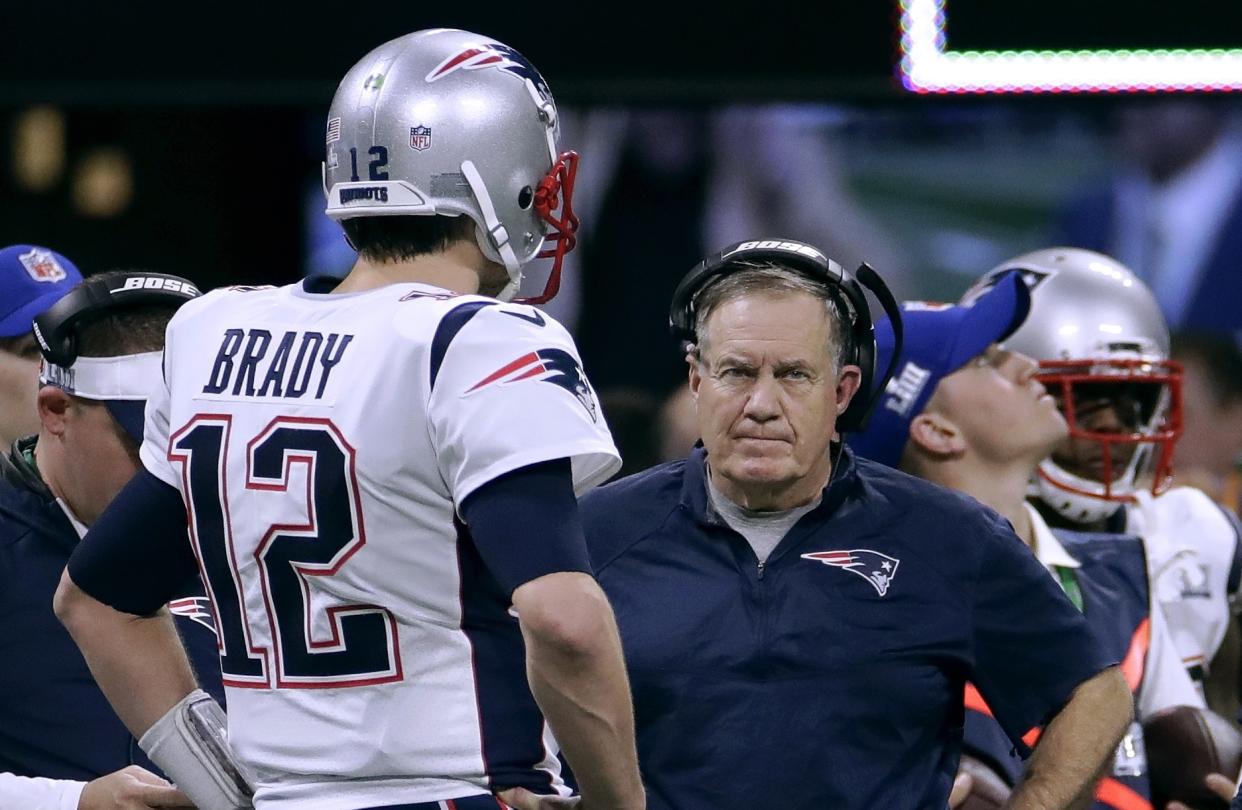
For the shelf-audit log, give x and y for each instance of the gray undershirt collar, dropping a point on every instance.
(762, 530)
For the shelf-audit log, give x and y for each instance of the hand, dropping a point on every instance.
(962, 784)
(131, 788)
(522, 799)
(1218, 783)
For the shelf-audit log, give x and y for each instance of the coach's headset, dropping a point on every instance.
(56, 329)
(845, 288)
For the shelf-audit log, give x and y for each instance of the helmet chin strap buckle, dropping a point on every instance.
(499, 236)
(497, 241)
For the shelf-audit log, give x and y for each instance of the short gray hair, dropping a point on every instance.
(773, 279)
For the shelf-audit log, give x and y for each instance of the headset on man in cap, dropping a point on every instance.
(123, 384)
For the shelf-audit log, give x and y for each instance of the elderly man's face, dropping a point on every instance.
(767, 398)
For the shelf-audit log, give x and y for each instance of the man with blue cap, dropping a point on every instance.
(966, 413)
(32, 278)
(61, 744)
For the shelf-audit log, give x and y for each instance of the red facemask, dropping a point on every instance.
(556, 191)
(1127, 408)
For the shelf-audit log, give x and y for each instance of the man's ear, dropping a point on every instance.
(696, 378)
(937, 435)
(53, 404)
(848, 382)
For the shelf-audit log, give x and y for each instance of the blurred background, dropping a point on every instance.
(188, 139)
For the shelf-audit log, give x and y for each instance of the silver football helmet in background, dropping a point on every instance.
(1101, 341)
(446, 122)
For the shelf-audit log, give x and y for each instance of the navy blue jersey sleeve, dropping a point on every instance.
(1031, 646)
(525, 524)
(137, 556)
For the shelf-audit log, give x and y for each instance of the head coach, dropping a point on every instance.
(799, 624)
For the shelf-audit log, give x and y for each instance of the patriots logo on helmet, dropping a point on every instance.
(195, 608)
(878, 569)
(491, 54)
(1031, 277)
(554, 366)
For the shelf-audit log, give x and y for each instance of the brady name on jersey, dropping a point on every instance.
(290, 366)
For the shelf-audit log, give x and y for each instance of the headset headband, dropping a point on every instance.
(56, 329)
(846, 289)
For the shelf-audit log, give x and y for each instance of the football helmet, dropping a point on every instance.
(1103, 351)
(450, 123)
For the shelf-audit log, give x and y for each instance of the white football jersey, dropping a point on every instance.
(323, 444)
(1193, 556)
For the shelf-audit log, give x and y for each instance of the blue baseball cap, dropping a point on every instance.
(32, 278)
(939, 340)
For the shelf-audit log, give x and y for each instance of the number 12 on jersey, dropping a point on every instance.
(360, 645)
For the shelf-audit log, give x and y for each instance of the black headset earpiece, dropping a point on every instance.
(847, 289)
(56, 329)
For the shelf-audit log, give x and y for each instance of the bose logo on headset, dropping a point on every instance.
(56, 328)
(778, 244)
(154, 283)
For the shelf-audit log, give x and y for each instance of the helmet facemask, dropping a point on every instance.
(1124, 417)
(556, 191)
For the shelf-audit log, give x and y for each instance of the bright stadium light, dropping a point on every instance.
(927, 66)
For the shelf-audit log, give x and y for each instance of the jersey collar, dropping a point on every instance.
(1048, 549)
(320, 283)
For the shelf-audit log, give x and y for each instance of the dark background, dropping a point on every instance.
(142, 52)
(118, 53)
(219, 107)
(1093, 25)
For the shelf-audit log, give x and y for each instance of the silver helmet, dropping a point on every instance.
(450, 123)
(1103, 348)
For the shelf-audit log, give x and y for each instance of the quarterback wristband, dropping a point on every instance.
(190, 744)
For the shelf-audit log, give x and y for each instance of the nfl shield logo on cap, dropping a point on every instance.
(42, 266)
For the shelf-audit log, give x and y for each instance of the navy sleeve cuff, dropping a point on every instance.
(137, 555)
(525, 524)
